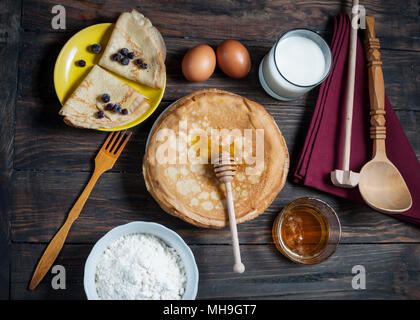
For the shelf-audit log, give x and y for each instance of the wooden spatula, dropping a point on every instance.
(104, 161)
(344, 177)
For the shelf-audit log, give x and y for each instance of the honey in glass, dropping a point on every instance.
(304, 231)
(307, 231)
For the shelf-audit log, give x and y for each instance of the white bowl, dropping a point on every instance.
(171, 238)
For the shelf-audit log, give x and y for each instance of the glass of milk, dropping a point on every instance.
(298, 62)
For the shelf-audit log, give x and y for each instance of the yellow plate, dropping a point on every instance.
(67, 75)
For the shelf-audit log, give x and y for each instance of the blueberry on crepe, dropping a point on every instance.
(83, 109)
(134, 31)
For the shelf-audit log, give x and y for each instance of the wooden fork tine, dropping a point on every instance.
(112, 143)
(107, 140)
(121, 148)
(116, 144)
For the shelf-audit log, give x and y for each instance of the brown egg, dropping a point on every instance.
(199, 63)
(233, 58)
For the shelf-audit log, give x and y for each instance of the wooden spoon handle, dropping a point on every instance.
(376, 82)
(56, 244)
(238, 266)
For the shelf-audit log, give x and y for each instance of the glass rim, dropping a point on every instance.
(311, 260)
(322, 40)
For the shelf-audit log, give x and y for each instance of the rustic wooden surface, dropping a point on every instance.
(9, 35)
(45, 164)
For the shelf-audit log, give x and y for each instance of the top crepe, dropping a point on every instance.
(136, 33)
(190, 190)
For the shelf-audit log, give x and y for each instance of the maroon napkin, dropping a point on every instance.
(322, 151)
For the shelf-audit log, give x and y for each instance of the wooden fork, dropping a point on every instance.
(104, 161)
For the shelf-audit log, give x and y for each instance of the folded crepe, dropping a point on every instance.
(81, 108)
(136, 33)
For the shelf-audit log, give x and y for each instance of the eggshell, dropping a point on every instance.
(233, 58)
(199, 63)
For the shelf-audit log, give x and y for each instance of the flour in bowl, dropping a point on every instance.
(140, 267)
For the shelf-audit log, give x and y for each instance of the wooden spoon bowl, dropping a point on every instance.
(383, 188)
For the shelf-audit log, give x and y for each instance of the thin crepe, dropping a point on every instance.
(191, 191)
(136, 33)
(81, 108)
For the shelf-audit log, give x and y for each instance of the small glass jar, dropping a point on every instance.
(307, 231)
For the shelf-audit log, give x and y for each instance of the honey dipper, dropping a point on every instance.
(225, 169)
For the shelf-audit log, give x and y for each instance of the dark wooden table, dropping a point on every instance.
(45, 164)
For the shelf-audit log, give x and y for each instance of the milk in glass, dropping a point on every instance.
(299, 61)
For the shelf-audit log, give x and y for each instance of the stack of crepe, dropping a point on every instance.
(181, 177)
(133, 31)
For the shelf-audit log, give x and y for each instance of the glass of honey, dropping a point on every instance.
(307, 231)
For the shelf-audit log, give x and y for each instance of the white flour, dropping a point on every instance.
(140, 267)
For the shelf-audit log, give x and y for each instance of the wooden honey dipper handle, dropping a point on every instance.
(376, 82)
(225, 169)
(238, 267)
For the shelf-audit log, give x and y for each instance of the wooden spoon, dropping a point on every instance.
(381, 184)
(225, 169)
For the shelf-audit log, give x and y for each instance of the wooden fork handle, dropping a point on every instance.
(376, 82)
(50, 254)
(56, 244)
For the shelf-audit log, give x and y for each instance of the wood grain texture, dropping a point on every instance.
(104, 161)
(42, 200)
(9, 37)
(45, 164)
(39, 51)
(44, 142)
(392, 272)
(262, 20)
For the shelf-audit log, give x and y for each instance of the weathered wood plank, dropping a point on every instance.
(39, 51)
(9, 37)
(42, 129)
(392, 272)
(42, 201)
(53, 162)
(397, 25)
(44, 142)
